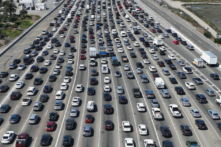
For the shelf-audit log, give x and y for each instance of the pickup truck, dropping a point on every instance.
(124, 58)
(26, 101)
(136, 92)
(157, 113)
(192, 143)
(175, 110)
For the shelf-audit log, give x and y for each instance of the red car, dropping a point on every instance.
(88, 118)
(57, 25)
(61, 32)
(50, 126)
(22, 140)
(83, 50)
(77, 17)
(176, 42)
(82, 57)
(64, 29)
(71, 37)
(153, 30)
(155, 75)
(91, 37)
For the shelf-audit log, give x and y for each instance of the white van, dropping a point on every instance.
(92, 17)
(90, 105)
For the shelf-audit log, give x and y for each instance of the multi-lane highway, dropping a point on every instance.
(120, 112)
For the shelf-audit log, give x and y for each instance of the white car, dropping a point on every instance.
(62, 53)
(187, 70)
(103, 60)
(49, 46)
(190, 85)
(172, 56)
(59, 95)
(142, 129)
(129, 47)
(163, 48)
(13, 77)
(126, 67)
(8, 137)
(152, 68)
(138, 27)
(107, 88)
(82, 67)
(44, 32)
(152, 51)
(123, 34)
(149, 142)
(117, 40)
(75, 101)
(126, 126)
(91, 23)
(141, 107)
(26, 101)
(114, 31)
(31, 91)
(67, 79)
(128, 142)
(62, 36)
(107, 80)
(161, 36)
(54, 29)
(136, 44)
(19, 84)
(64, 86)
(56, 51)
(58, 66)
(56, 72)
(70, 61)
(21, 67)
(120, 50)
(146, 61)
(47, 62)
(128, 31)
(74, 112)
(79, 88)
(39, 37)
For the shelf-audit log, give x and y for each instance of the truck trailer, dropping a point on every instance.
(209, 58)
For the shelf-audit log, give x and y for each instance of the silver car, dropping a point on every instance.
(155, 57)
(33, 119)
(74, 112)
(139, 70)
(185, 102)
(37, 106)
(126, 67)
(165, 93)
(166, 72)
(181, 63)
(195, 113)
(144, 79)
(155, 104)
(149, 93)
(213, 114)
(210, 92)
(56, 72)
(58, 105)
(118, 45)
(130, 75)
(120, 90)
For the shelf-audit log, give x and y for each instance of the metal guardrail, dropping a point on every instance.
(28, 30)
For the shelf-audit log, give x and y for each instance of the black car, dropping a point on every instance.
(108, 125)
(219, 125)
(122, 99)
(183, 42)
(28, 76)
(94, 72)
(93, 81)
(38, 48)
(181, 75)
(146, 25)
(4, 108)
(111, 54)
(60, 60)
(173, 80)
(200, 124)
(198, 81)
(168, 61)
(42, 43)
(185, 130)
(34, 68)
(90, 91)
(172, 66)
(139, 65)
(159, 31)
(83, 45)
(40, 59)
(167, 143)
(67, 140)
(37, 81)
(133, 55)
(168, 30)
(165, 131)
(43, 70)
(26, 51)
(50, 34)
(47, 89)
(43, 98)
(16, 61)
(14, 118)
(107, 96)
(108, 109)
(45, 139)
(4, 88)
(162, 52)
(53, 116)
(179, 90)
(52, 78)
(72, 49)
(3, 74)
(53, 57)
(215, 76)
(15, 95)
(68, 72)
(69, 124)
(46, 38)
(174, 35)
(201, 98)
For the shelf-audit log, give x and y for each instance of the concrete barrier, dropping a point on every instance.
(28, 30)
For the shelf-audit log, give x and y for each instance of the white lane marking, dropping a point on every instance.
(46, 113)
(54, 92)
(190, 34)
(199, 41)
(0, 130)
(59, 76)
(35, 141)
(16, 107)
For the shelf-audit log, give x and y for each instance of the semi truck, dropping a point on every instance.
(209, 58)
(198, 62)
(93, 52)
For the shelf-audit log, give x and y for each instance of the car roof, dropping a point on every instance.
(87, 127)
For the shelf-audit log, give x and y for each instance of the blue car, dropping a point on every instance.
(118, 22)
(67, 45)
(69, 67)
(44, 53)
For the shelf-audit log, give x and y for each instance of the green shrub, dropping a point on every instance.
(26, 24)
(207, 34)
(12, 33)
(217, 40)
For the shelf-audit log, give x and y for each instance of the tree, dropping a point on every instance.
(9, 7)
(23, 12)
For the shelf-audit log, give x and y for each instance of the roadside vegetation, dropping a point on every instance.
(214, 1)
(11, 24)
